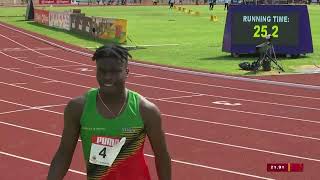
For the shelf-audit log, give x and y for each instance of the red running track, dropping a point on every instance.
(217, 127)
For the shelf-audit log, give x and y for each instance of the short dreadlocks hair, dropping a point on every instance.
(113, 51)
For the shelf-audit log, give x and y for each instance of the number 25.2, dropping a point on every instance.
(262, 31)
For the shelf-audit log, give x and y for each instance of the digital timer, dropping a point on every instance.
(248, 26)
(253, 27)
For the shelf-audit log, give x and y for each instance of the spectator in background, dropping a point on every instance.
(155, 2)
(211, 4)
(226, 4)
(171, 3)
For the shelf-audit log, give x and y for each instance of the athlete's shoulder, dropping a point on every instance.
(148, 109)
(75, 105)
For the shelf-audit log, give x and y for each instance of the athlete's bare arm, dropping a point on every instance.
(62, 159)
(152, 120)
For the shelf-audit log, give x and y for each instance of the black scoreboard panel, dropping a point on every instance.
(251, 28)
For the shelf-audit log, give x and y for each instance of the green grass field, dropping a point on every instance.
(184, 40)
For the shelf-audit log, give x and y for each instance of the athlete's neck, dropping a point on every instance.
(114, 98)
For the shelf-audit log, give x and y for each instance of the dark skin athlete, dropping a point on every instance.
(111, 75)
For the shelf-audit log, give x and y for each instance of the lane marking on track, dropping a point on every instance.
(182, 71)
(202, 121)
(221, 143)
(42, 57)
(83, 69)
(14, 68)
(213, 168)
(178, 90)
(226, 103)
(238, 111)
(177, 71)
(8, 112)
(41, 109)
(27, 49)
(149, 155)
(196, 105)
(45, 67)
(139, 76)
(38, 162)
(53, 81)
(178, 97)
(30, 108)
(19, 83)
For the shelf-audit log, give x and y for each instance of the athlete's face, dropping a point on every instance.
(111, 75)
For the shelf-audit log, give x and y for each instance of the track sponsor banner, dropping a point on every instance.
(63, 1)
(81, 24)
(110, 29)
(60, 20)
(54, 1)
(46, 2)
(41, 16)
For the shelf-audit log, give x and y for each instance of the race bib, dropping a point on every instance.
(104, 150)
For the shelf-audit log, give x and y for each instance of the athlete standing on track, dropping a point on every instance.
(112, 122)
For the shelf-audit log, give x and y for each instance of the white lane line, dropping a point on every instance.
(241, 127)
(149, 155)
(39, 77)
(73, 65)
(22, 57)
(48, 106)
(14, 68)
(30, 129)
(182, 71)
(175, 80)
(226, 103)
(172, 89)
(8, 112)
(232, 88)
(31, 108)
(239, 111)
(213, 168)
(229, 77)
(243, 147)
(35, 90)
(89, 87)
(198, 120)
(231, 145)
(84, 69)
(178, 97)
(27, 49)
(19, 83)
(10, 49)
(196, 105)
(53, 81)
(38, 162)
(48, 79)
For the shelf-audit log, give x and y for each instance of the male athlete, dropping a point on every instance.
(112, 122)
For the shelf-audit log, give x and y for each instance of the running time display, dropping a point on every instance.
(251, 28)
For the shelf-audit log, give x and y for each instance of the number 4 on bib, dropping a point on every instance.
(105, 153)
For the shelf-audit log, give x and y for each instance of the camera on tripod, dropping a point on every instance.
(262, 48)
(266, 56)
